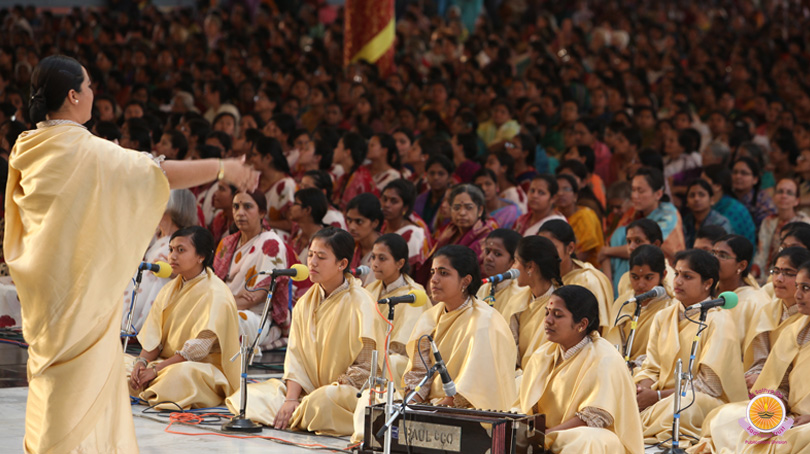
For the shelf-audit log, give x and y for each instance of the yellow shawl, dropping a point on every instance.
(211, 306)
(405, 315)
(595, 377)
(671, 339)
(585, 275)
(80, 212)
(786, 351)
(503, 296)
(327, 334)
(479, 351)
(625, 287)
(768, 320)
(530, 313)
(619, 334)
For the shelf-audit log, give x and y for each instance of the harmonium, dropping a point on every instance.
(429, 429)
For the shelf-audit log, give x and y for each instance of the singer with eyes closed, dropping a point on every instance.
(334, 330)
(786, 370)
(499, 258)
(777, 314)
(389, 261)
(579, 381)
(735, 254)
(576, 272)
(364, 219)
(471, 337)
(186, 360)
(69, 191)
(647, 272)
(718, 374)
(239, 259)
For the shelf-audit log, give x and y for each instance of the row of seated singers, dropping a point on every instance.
(698, 276)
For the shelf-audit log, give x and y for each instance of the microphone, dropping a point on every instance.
(447, 382)
(511, 274)
(360, 271)
(415, 298)
(726, 300)
(656, 292)
(297, 272)
(161, 269)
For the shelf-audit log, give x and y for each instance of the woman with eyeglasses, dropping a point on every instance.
(718, 374)
(734, 253)
(777, 314)
(786, 200)
(469, 224)
(786, 370)
(579, 381)
(794, 234)
(575, 272)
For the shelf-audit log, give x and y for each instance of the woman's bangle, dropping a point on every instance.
(659, 394)
(221, 173)
(292, 400)
(140, 360)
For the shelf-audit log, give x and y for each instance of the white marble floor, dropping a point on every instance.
(153, 439)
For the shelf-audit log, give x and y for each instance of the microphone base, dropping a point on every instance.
(674, 451)
(237, 424)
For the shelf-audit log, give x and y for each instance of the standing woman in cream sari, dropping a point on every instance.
(335, 327)
(186, 360)
(717, 371)
(389, 262)
(579, 381)
(472, 337)
(71, 199)
(576, 272)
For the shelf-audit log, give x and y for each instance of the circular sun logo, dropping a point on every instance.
(766, 412)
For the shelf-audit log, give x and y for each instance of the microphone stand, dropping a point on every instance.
(680, 391)
(240, 423)
(632, 336)
(400, 410)
(138, 278)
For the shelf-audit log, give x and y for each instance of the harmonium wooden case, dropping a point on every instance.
(439, 430)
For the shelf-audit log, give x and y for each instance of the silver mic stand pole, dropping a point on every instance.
(126, 333)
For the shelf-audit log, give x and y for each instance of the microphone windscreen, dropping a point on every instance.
(731, 299)
(165, 270)
(514, 272)
(660, 291)
(302, 272)
(362, 270)
(420, 298)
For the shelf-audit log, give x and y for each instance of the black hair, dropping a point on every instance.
(589, 155)
(506, 160)
(484, 172)
(469, 118)
(284, 122)
(464, 261)
(225, 114)
(650, 255)
(313, 199)
(475, 194)
(570, 179)
(368, 205)
(689, 140)
(561, 231)
(326, 153)
(650, 228)
(179, 141)
(509, 237)
(542, 252)
(784, 139)
(632, 135)
(430, 147)
(339, 240)
(110, 131)
(527, 144)
(356, 145)
(260, 199)
(582, 304)
(704, 264)
(441, 160)
(223, 138)
(268, 146)
(741, 247)
(799, 230)
(405, 190)
(398, 247)
(140, 136)
(721, 176)
(469, 144)
(51, 82)
(551, 182)
(796, 255)
(711, 232)
(203, 242)
(756, 170)
(390, 145)
(576, 167)
(652, 176)
(703, 184)
(322, 180)
(208, 151)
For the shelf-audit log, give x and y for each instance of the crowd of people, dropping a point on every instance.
(599, 149)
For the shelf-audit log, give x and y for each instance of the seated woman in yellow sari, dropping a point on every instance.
(579, 381)
(186, 360)
(647, 270)
(389, 262)
(775, 315)
(576, 272)
(499, 257)
(334, 330)
(735, 254)
(473, 338)
(785, 371)
(718, 375)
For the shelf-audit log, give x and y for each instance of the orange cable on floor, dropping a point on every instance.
(195, 419)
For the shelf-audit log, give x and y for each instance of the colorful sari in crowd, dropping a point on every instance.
(506, 216)
(352, 184)
(523, 227)
(472, 238)
(280, 198)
